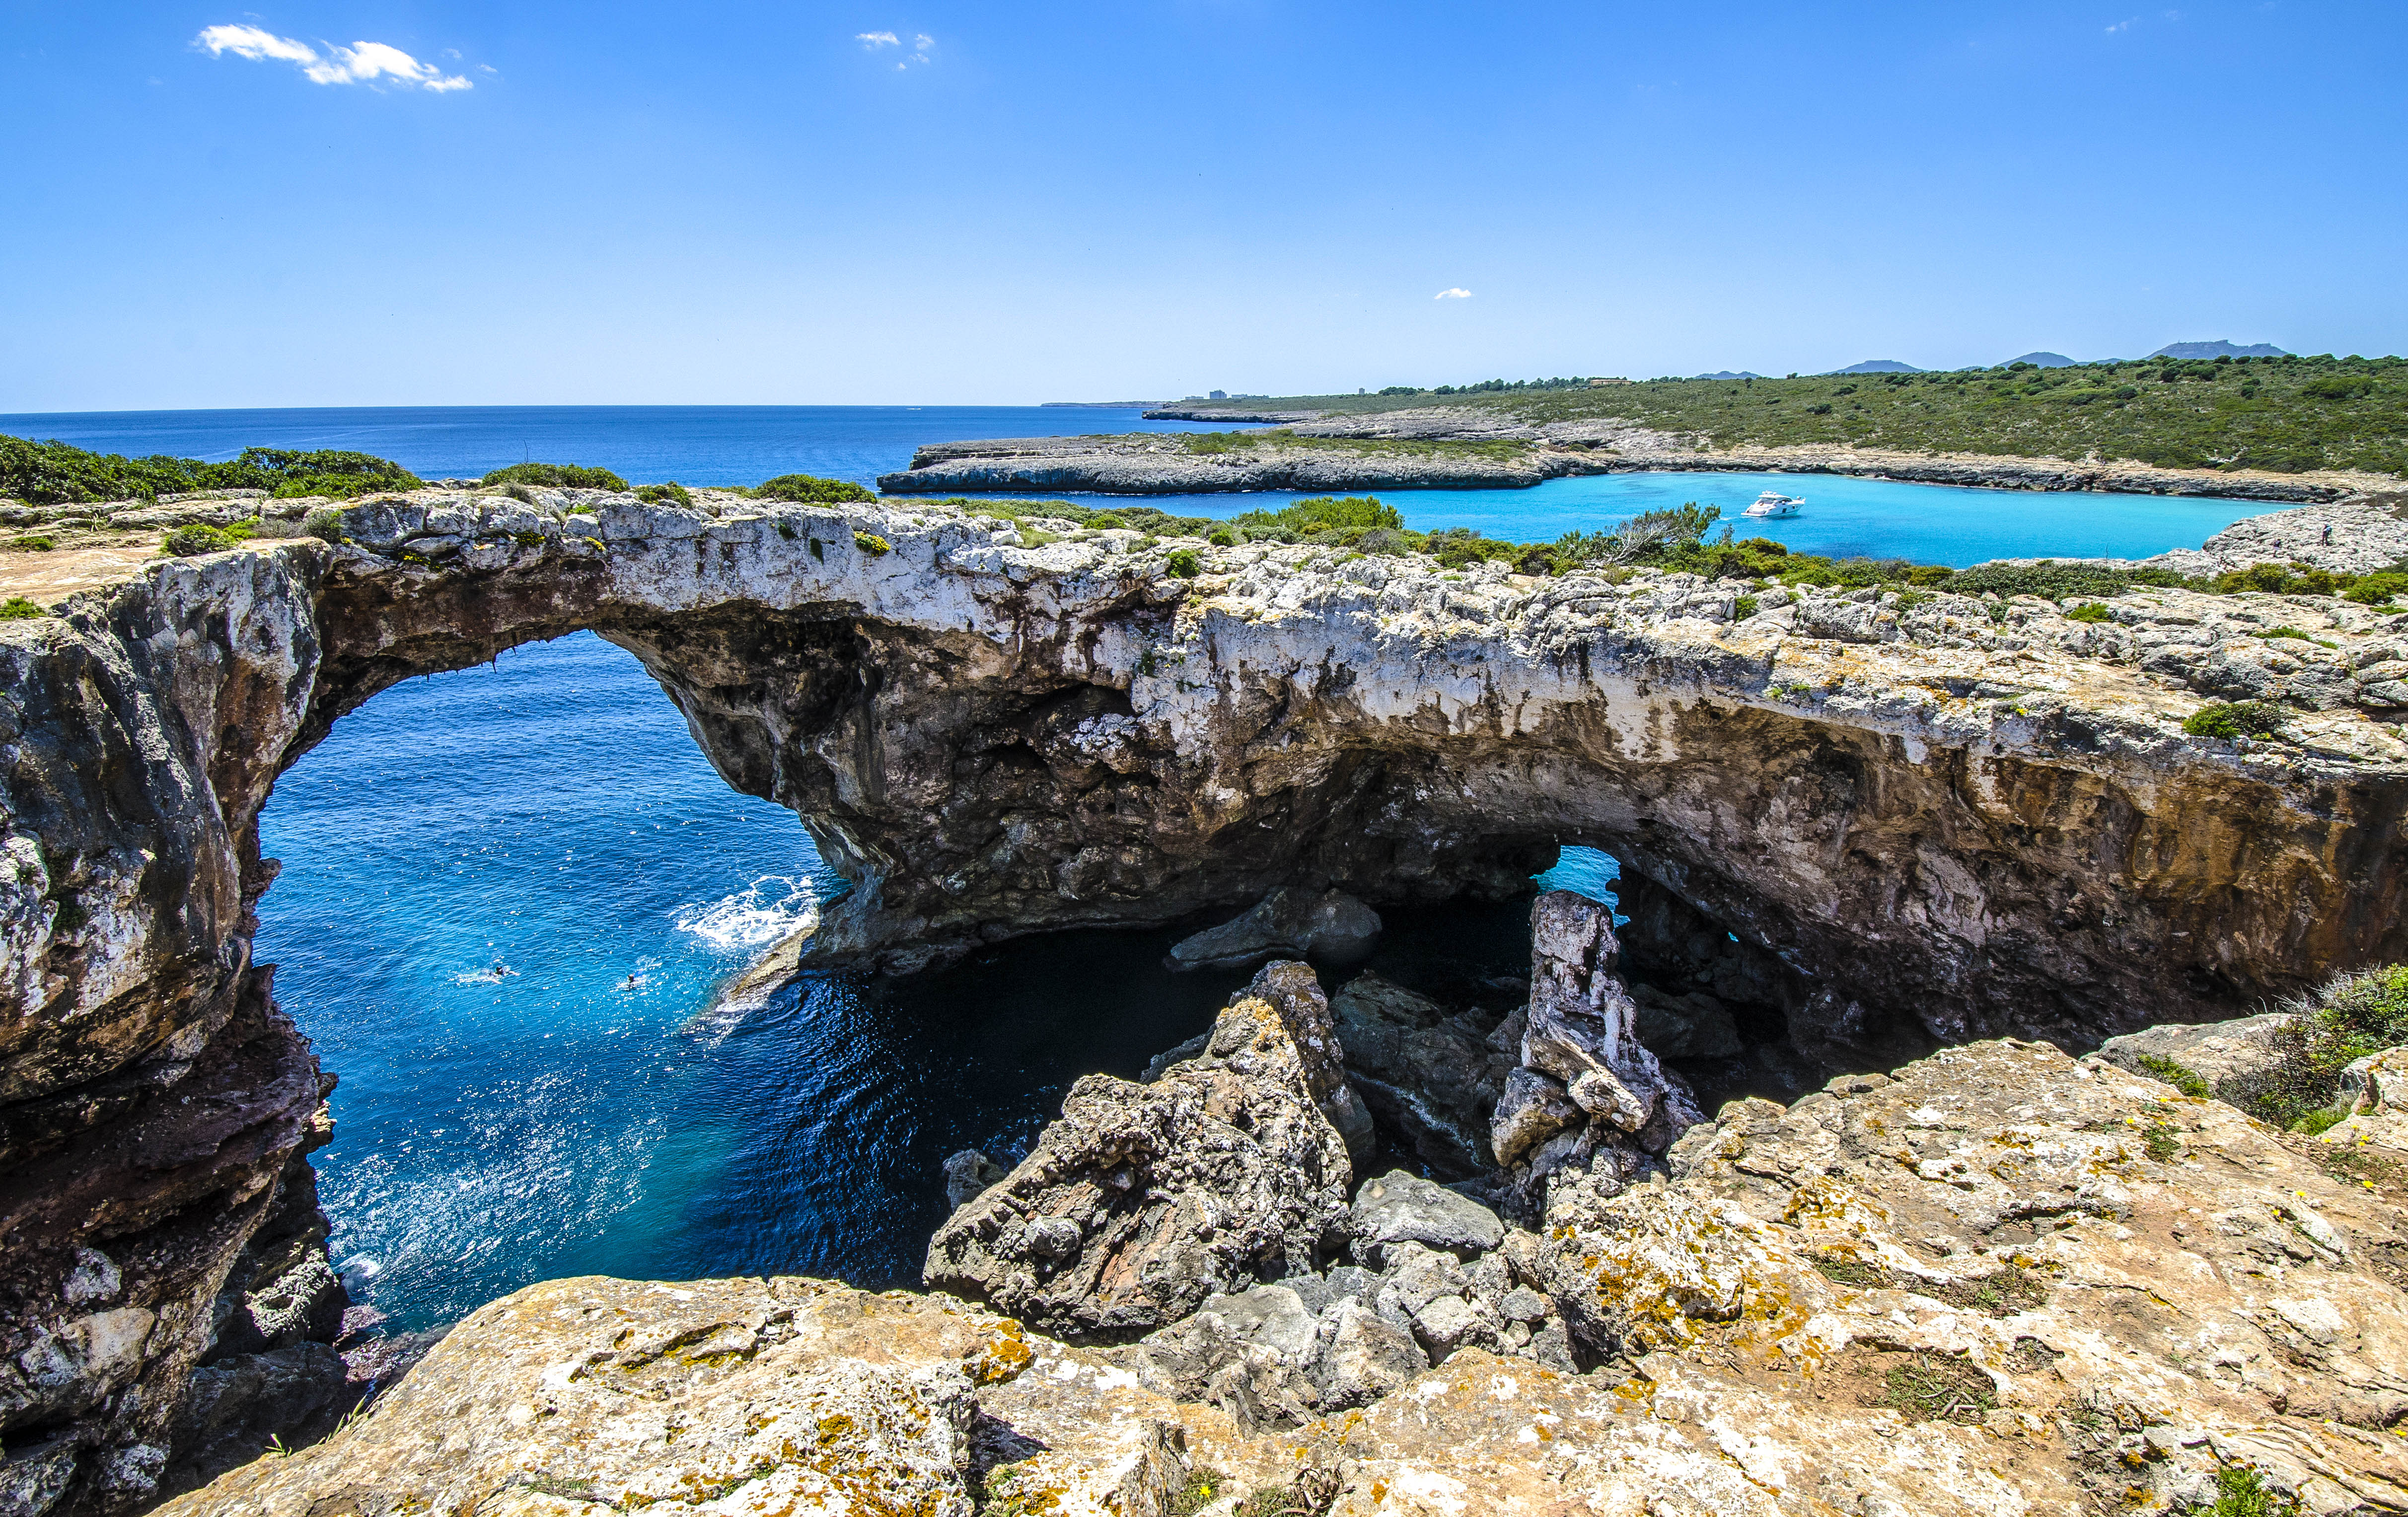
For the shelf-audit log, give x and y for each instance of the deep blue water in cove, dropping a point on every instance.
(509, 892)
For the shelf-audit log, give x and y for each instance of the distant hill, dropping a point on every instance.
(1879, 365)
(2218, 348)
(2045, 360)
(1730, 374)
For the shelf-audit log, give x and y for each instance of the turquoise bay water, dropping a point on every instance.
(509, 892)
(1844, 517)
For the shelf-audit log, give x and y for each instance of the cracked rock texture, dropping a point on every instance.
(1962, 817)
(1999, 1283)
(1144, 1199)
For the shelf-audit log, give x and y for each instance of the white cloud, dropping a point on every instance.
(362, 62)
(921, 43)
(2125, 25)
(1458, 293)
(253, 43)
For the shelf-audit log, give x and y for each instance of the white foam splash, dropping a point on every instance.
(752, 917)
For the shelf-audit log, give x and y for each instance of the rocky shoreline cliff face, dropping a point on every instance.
(1969, 819)
(1452, 447)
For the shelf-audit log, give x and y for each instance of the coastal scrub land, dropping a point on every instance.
(2283, 415)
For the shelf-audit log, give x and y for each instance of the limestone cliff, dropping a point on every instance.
(1981, 818)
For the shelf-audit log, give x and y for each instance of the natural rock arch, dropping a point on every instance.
(992, 739)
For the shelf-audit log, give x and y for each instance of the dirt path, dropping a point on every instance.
(51, 577)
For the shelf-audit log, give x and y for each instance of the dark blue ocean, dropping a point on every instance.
(509, 892)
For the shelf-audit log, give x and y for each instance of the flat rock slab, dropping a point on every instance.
(1331, 927)
(1397, 1208)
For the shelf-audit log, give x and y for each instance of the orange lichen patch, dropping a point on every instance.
(1001, 1356)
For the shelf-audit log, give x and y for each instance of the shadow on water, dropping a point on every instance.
(854, 1094)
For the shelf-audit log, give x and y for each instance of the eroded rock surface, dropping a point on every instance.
(2001, 1282)
(1145, 1199)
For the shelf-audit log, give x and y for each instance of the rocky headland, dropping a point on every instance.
(1461, 448)
(1899, 819)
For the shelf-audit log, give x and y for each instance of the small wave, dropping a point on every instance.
(770, 934)
(485, 977)
(763, 912)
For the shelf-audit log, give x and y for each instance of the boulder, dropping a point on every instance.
(1331, 928)
(1144, 1200)
(2241, 1049)
(2374, 1094)
(1533, 1108)
(968, 1173)
(1397, 1208)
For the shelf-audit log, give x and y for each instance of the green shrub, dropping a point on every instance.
(18, 609)
(871, 543)
(325, 524)
(1222, 538)
(1743, 608)
(2338, 387)
(1327, 512)
(2293, 632)
(2090, 611)
(557, 476)
(2351, 1016)
(189, 542)
(2241, 1492)
(2176, 1074)
(672, 490)
(1184, 564)
(33, 543)
(2377, 589)
(55, 473)
(2232, 719)
(809, 489)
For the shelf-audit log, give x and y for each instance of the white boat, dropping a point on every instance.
(1773, 504)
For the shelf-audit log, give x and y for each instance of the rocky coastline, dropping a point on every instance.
(1410, 450)
(1996, 1280)
(1889, 822)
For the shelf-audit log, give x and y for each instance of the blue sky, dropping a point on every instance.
(427, 202)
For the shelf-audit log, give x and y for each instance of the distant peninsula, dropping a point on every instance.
(2279, 427)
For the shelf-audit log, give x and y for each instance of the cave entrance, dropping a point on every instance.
(1730, 1016)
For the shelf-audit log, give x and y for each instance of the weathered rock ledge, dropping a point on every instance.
(1971, 818)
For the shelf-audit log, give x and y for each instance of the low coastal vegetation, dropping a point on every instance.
(2286, 415)
(557, 477)
(59, 473)
(1213, 443)
(2353, 1016)
(809, 489)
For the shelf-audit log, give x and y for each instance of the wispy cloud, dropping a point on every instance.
(921, 44)
(2124, 25)
(362, 62)
(1458, 293)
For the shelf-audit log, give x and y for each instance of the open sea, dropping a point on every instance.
(509, 892)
